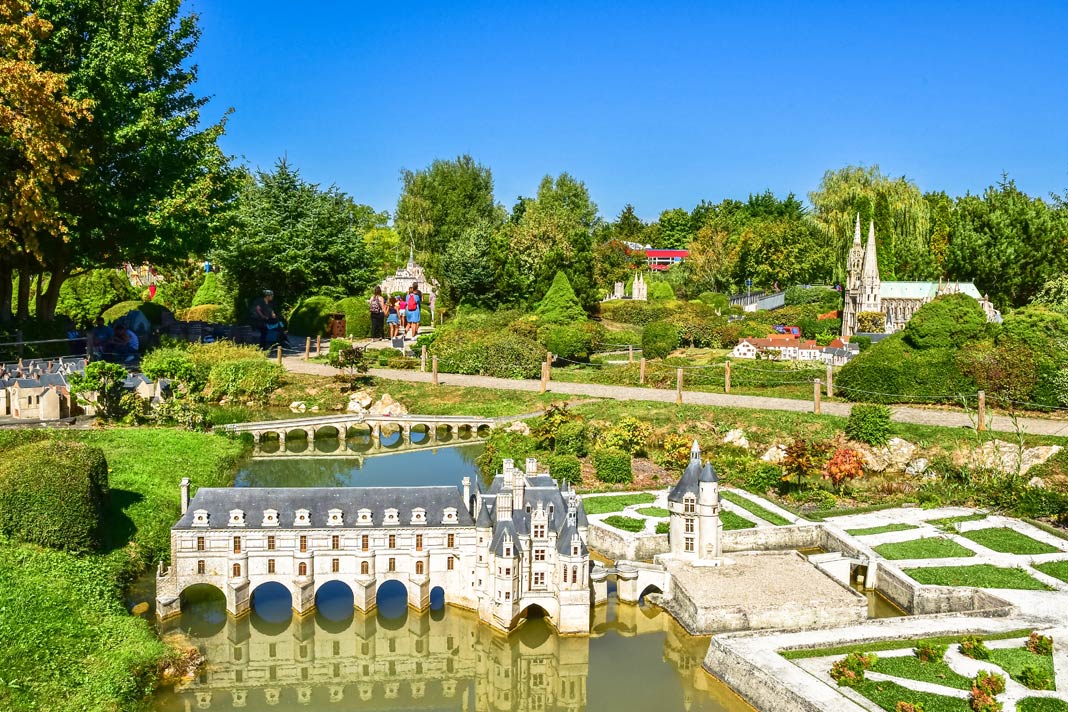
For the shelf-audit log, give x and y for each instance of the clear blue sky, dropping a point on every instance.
(657, 104)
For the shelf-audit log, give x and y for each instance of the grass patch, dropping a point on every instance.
(615, 502)
(627, 524)
(824, 515)
(655, 512)
(1056, 569)
(662, 527)
(912, 668)
(1014, 660)
(895, 644)
(1058, 532)
(931, 548)
(72, 645)
(754, 508)
(1041, 704)
(979, 575)
(732, 521)
(1008, 541)
(884, 529)
(888, 694)
(950, 521)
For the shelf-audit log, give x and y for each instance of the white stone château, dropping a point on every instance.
(520, 544)
(896, 301)
(695, 527)
(405, 276)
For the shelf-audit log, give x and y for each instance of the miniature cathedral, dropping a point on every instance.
(694, 506)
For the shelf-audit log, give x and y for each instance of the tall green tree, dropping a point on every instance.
(157, 184)
(628, 226)
(297, 239)
(468, 270)
(676, 230)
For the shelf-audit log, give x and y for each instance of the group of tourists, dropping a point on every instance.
(402, 313)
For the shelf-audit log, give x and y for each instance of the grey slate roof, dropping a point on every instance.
(688, 483)
(538, 489)
(218, 501)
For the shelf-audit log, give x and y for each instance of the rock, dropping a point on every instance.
(314, 409)
(917, 467)
(774, 455)
(1037, 482)
(386, 405)
(362, 398)
(1008, 457)
(518, 427)
(298, 406)
(736, 437)
(895, 455)
(355, 407)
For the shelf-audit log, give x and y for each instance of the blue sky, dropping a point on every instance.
(657, 104)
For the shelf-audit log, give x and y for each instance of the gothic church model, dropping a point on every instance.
(896, 301)
(694, 530)
(521, 543)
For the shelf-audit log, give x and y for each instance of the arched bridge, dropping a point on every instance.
(341, 425)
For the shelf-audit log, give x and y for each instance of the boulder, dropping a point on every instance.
(894, 456)
(386, 405)
(298, 406)
(518, 427)
(736, 437)
(917, 467)
(775, 454)
(1036, 482)
(363, 398)
(355, 407)
(1009, 457)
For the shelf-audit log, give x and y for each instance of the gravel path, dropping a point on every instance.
(902, 414)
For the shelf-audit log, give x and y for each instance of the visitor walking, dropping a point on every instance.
(415, 303)
(402, 312)
(378, 314)
(392, 319)
(262, 314)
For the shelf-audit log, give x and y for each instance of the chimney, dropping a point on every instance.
(467, 492)
(504, 507)
(185, 494)
(509, 465)
(532, 465)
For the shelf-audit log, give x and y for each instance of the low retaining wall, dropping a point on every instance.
(920, 600)
(801, 536)
(614, 544)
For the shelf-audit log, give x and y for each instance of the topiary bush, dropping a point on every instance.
(567, 341)
(891, 371)
(627, 311)
(210, 313)
(252, 379)
(850, 670)
(565, 467)
(659, 339)
(501, 354)
(973, 647)
(211, 291)
(869, 423)
(612, 466)
(358, 316)
(929, 652)
(1039, 644)
(572, 438)
(172, 363)
(946, 322)
(85, 297)
(311, 316)
(661, 292)
(54, 493)
(560, 305)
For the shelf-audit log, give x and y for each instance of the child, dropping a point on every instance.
(392, 318)
(402, 312)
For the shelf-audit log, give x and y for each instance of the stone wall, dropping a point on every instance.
(615, 544)
(921, 600)
(804, 536)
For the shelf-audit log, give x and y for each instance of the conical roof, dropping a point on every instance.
(708, 473)
(688, 483)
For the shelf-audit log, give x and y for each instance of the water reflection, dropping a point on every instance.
(638, 660)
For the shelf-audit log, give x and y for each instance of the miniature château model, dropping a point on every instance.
(403, 278)
(694, 531)
(639, 290)
(897, 301)
(522, 543)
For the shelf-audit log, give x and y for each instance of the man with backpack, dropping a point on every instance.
(413, 306)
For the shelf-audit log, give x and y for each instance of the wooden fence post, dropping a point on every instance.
(434, 365)
(816, 396)
(279, 354)
(678, 386)
(830, 382)
(422, 360)
(544, 376)
(982, 411)
(727, 377)
(307, 348)
(549, 358)
(318, 345)
(641, 376)
(630, 353)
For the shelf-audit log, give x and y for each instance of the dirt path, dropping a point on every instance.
(902, 414)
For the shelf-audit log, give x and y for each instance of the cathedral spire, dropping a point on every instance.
(870, 270)
(856, 232)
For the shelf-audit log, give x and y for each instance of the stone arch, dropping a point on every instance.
(420, 434)
(272, 603)
(299, 433)
(465, 432)
(437, 598)
(334, 600)
(391, 601)
(390, 435)
(533, 611)
(651, 588)
(483, 430)
(443, 432)
(203, 607)
(326, 431)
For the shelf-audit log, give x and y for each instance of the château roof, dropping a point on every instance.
(693, 476)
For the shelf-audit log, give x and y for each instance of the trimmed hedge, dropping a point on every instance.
(627, 311)
(946, 322)
(210, 291)
(612, 466)
(54, 493)
(659, 339)
(153, 312)
(358, 316)
(311, 316)
(560, 305)
(501, 354)
(891, 371)
(567, 341)
(565, 467)
(253, 378)
(210, 313)
(572, 438)
(87, 296)
(869, 424)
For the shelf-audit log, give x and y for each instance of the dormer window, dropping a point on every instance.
(418, 516)
(689, 504)
(391, 517)
(270, 518)
(237, 518)
(303, 518)
(450, 516)
(335, 518)
(364, 518)
(200, 518)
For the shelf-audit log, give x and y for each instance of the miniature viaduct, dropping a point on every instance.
(340, 426)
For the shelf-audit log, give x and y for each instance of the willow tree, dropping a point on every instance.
(896, 205)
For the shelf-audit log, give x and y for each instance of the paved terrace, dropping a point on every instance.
(902, 414)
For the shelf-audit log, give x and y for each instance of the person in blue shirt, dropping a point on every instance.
(415, 303)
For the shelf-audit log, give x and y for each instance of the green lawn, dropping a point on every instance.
(1014, 660)
(930, 548)
(893, 644)
(627, 524)
(888, 694)
(884, 529)
(1041, 704)
(1008, 541)
(979, 575)
(615, 502)
(754, 508)
(1056, 569)
(946, 521)
(732, 521)
(72, 645)
(655, 512)
(910, 667)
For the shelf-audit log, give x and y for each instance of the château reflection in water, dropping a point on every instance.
(395, 658)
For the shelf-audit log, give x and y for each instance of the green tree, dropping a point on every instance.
(560, 305)
(676, 230)
(85, 297)
(783, 250)
(101, 386)
(297, 239)
(385, 250)
(468, 272)
(628, 226)
(157, 183)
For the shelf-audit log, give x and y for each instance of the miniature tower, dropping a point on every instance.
(854, 267)
(870, 284)
(639, 290)
(694, 530)
(708, 522)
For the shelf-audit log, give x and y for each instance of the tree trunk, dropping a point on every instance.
(24, 289)
(46, 302)
(5, 291)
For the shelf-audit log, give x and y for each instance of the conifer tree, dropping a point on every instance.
(560, 305)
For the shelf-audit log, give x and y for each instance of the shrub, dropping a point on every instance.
(929, 652)
(863, 343)
(612, 466)
(501, 445)
(845, 464)
(973, 647)
(850, 670)
(53, 494)
(1036, 326)
(761, 477)
(211, 291)
(571, 342)
(891, 371)
(627, 524)
(803, 461)
(695, 329)
(661, 292)
(210, 313)
(909, 707)
(253, 379)
(358, 316)
(311, 316)
(172, 363)
(85, 297)
(560, 305)
(721, 303)
(674, 451)
(631, 312)
(565, 467)
(947, 322)
(659, 339)
(500, 354)
(181, 412)
(1040, 644)
(1033, 678)
(572, 439)
(121, 309)
(100, 385)
(989, 682)
(871, 322)
(869, 424)
(1006, 370)
(629, 435)
(204, 357)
